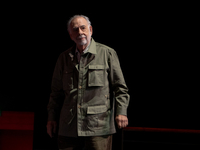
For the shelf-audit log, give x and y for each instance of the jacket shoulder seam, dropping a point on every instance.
(104, 46)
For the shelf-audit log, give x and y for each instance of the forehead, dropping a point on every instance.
(79, 21)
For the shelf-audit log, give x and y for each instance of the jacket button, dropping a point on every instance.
(79, 106)
(79, 87)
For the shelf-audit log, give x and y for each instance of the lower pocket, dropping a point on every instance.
(96, 117)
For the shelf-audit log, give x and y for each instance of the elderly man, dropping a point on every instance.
(87, 86)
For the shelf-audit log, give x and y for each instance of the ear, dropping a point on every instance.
(91, 30)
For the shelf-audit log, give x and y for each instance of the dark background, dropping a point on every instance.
(155, 48)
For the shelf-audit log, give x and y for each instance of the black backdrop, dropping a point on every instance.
(152, 42)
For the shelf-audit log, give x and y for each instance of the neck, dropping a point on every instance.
(81, 48)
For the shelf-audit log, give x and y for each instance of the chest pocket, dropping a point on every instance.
(96, 74)
(68, 79)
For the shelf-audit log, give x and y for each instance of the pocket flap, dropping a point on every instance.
(96, 67)
(96, 109)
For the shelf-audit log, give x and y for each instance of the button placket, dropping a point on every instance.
(81, 88)
(80, 91)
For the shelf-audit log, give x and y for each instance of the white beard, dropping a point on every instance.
(83, 42)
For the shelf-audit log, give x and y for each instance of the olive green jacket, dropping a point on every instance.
(85, 95)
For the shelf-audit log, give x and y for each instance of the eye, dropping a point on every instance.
(83, 28)
(75, 29)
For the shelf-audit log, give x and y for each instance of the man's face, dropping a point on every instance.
(80, 31)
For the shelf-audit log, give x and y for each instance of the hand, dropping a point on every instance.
(51, 128)
(122, 121)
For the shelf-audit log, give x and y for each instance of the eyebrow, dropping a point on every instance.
(80, 26)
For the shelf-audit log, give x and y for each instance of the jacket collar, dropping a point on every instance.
(92, 47)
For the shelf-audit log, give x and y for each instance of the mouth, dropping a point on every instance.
(82, 38)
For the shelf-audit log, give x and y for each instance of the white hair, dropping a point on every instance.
(76, 16)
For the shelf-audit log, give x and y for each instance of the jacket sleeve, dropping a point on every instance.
(57, 93)
(118, 85)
